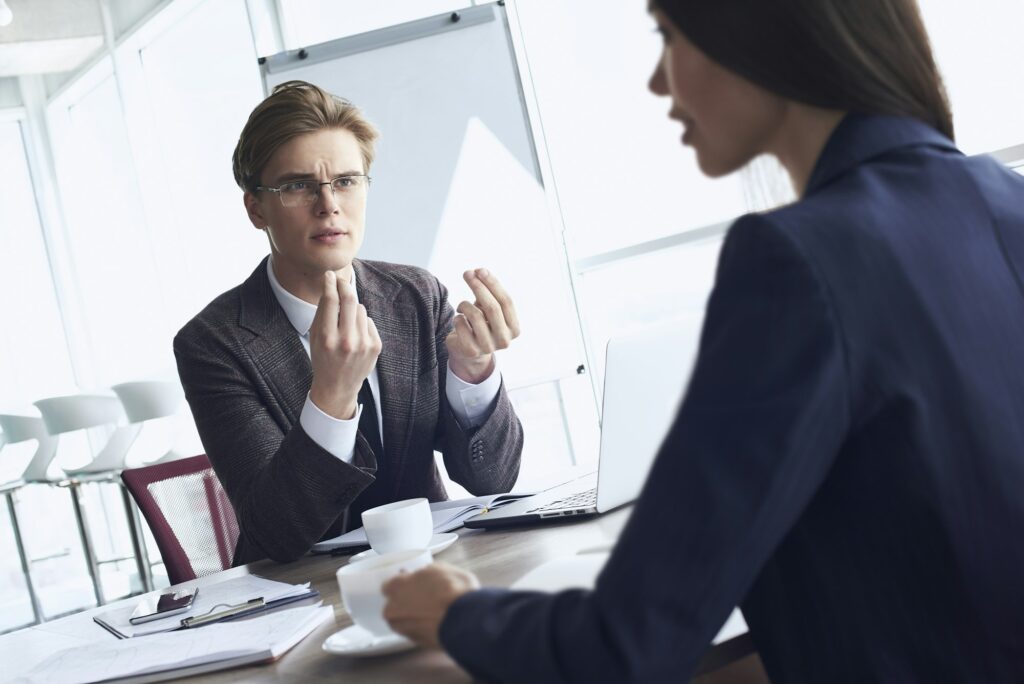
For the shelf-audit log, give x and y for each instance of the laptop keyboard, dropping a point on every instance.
(585, 499)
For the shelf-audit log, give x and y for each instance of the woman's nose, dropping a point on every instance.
(657, 83)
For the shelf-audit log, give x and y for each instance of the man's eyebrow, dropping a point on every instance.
(309, 175)
(295, 175)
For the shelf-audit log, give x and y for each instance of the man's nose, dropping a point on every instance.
(326, 198)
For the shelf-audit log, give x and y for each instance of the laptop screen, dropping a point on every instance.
(646, 373)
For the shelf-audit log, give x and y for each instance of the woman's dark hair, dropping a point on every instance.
(867, 56)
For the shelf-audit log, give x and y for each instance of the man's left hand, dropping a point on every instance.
(417, 602)
(481, 327)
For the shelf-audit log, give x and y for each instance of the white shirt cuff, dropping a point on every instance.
(337, 437)
(472, 404)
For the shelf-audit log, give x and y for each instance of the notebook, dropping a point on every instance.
(181, 654)
(447, 515)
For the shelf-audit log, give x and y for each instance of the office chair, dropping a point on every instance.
(188, 512)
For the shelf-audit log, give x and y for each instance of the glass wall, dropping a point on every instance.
(34, 363)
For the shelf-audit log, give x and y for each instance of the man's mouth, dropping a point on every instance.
(329, 235)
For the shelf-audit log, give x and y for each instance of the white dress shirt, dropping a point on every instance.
(470, 403)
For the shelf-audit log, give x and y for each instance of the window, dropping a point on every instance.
(189, 90)
(622, 177)
(34, 363)
(107, 232)
(33, 355)
(977, 47)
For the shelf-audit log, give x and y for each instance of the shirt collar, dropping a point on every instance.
(299, 313)
(860, 137)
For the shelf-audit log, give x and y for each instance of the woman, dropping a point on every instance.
(847, 464)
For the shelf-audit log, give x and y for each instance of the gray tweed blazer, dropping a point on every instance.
(246, 376)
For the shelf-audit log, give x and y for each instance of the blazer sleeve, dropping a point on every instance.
(485, 459)
(286, 489)
(762, 421)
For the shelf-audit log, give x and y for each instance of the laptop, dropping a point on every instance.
(646, 373)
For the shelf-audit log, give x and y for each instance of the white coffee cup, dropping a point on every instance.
(361, 582)
(399, 526)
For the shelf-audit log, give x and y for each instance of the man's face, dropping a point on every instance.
(307, 240)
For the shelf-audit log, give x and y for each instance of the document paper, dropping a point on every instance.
(178, 654)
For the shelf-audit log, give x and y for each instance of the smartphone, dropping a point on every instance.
(156, 607)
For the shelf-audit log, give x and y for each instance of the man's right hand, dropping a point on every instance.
(343, 347)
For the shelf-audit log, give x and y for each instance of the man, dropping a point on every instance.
(322, 384)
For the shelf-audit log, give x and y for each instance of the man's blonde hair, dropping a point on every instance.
(295, 108)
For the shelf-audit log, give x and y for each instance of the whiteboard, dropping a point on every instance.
(456, 183)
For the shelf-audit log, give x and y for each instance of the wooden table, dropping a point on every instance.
(498, 558)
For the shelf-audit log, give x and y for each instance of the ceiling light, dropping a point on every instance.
(6, 15)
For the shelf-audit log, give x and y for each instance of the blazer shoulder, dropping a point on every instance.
(219, 314)
(408, 282)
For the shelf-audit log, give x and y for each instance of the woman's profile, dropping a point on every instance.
(848, 461)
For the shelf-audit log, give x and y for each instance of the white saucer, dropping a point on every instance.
(356, 642)
(438, 543)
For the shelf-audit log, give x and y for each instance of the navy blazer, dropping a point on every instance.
(848, 462)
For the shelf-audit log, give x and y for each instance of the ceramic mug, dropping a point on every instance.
(399, 526)
(360, 583)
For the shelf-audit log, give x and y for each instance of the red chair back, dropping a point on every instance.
(189, 514)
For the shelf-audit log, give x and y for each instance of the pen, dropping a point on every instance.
(230, 611)
(349, 550)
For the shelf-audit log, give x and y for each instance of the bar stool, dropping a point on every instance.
(18, 429)
(144, 401)
(147, 400)
(66, 414)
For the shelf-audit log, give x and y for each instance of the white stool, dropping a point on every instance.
(143, 401)
(22, 429)
(62, 415)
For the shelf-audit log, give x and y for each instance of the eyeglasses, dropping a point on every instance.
(304, 193)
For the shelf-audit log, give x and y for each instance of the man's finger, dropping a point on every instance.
(348, 311)
(497, 290)
(501, 334)
(481, 332)
(464, 338)
(325, 319)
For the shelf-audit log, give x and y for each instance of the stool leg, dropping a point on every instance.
(83, 532)
(37, 610)
(138, 542)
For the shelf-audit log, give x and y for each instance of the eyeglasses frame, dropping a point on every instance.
(334, 193)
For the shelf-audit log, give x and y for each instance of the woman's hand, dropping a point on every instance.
(418, 601)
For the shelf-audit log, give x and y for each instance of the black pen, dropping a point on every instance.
(349, 550)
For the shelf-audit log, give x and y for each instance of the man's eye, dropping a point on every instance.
(297, 186)
(344, 182)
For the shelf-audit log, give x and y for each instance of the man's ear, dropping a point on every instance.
(254, 208)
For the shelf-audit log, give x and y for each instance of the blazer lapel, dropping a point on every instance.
(275, 349)
(398, 366)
